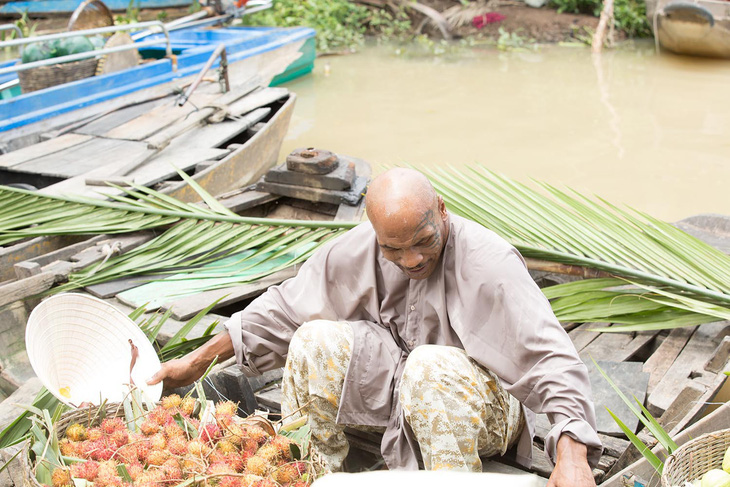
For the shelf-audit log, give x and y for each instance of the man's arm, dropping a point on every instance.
(186, 370)
(571, 465)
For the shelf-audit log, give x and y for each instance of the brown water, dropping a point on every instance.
(648, 131)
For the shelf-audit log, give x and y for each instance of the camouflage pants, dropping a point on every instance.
(457, 410)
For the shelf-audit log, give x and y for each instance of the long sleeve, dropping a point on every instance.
(507, 325)
(261, 333)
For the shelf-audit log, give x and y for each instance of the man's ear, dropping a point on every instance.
(442, 208)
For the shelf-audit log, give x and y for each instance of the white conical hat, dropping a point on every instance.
(79, 347)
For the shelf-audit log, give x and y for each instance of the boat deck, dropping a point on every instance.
(145, 142)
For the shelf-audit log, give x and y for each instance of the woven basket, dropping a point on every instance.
(92, 416)
(693, 459)
(46, 76)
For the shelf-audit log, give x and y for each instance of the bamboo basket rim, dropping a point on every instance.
(695, 458)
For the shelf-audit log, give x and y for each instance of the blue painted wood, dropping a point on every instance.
(68, 6)
(193, 48)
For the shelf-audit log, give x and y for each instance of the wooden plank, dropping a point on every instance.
(663, 357)
(107, 122)
(112, 288)
(25, 288)
(241, 200)
(19, 252)
(582, 335)
(65, 253)
(160, 117)
(197, 118)
(162, 166)
(96, 253)
(42, 149)
(218, 134)
(691, 360)
(83, 158)
(617, 347)
(257, 99)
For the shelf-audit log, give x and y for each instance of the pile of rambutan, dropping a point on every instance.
(172, 447)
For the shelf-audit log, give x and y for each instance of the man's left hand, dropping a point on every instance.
(571, 466)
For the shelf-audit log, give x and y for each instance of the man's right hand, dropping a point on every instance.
(177, 373)
(186, 370)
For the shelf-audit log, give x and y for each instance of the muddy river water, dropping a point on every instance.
(646, 130)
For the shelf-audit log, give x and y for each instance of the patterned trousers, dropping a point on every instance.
(457, 410)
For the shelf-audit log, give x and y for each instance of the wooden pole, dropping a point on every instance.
(568, 269)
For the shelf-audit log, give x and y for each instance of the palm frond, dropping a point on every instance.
(570, 228)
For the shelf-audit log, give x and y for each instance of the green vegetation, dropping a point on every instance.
(629, 15)
(340, 24)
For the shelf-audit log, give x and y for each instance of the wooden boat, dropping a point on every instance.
(224, 141)
(169, 61)
(696, 28)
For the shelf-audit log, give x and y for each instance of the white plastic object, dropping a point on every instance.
(79, 348)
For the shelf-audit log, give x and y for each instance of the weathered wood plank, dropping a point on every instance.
(110, 289)
(157, 119)
(582, 335)
(691, 360)
(218, 134)
(663, 357)
(63, 253)
(83, 158)
(241, 200)
(17, 290)
(104, 124)
(11, 255)
(257, 99)
(617, 347)
(42, 149)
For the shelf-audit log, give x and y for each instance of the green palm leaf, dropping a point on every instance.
(570, 228)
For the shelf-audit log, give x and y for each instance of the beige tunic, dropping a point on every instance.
(480, 298)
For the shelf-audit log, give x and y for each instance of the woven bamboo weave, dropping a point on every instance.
(693, 459)
(46, 76)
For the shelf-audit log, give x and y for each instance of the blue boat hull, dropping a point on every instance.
(192, 48)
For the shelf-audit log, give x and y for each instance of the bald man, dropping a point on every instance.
(424, 326)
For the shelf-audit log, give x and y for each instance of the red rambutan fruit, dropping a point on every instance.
(198, 448)
(286, 473)
(257, 466)
(119, 438)
(282, 445)
(226, 408)
(171, 402)
(187, 406)
(265, 483)
(149, 427)
(85, 470)
(171, 469)
(61, 477)
(210, 433)
(158, 441)
(135, 469)
(110, 425)
(226, 446)
(93, 434)
(157, 457)
(178, 445)
(69, 448)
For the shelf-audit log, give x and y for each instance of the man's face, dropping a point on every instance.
(414, 243)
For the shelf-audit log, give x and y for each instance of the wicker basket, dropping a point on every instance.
(691, 460)
(46, 76)
(92, 416)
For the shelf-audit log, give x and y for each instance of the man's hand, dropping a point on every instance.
(186, 370)
(571, 467)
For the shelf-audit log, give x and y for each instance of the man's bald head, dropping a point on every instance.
(409, 219)
(399, 190)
